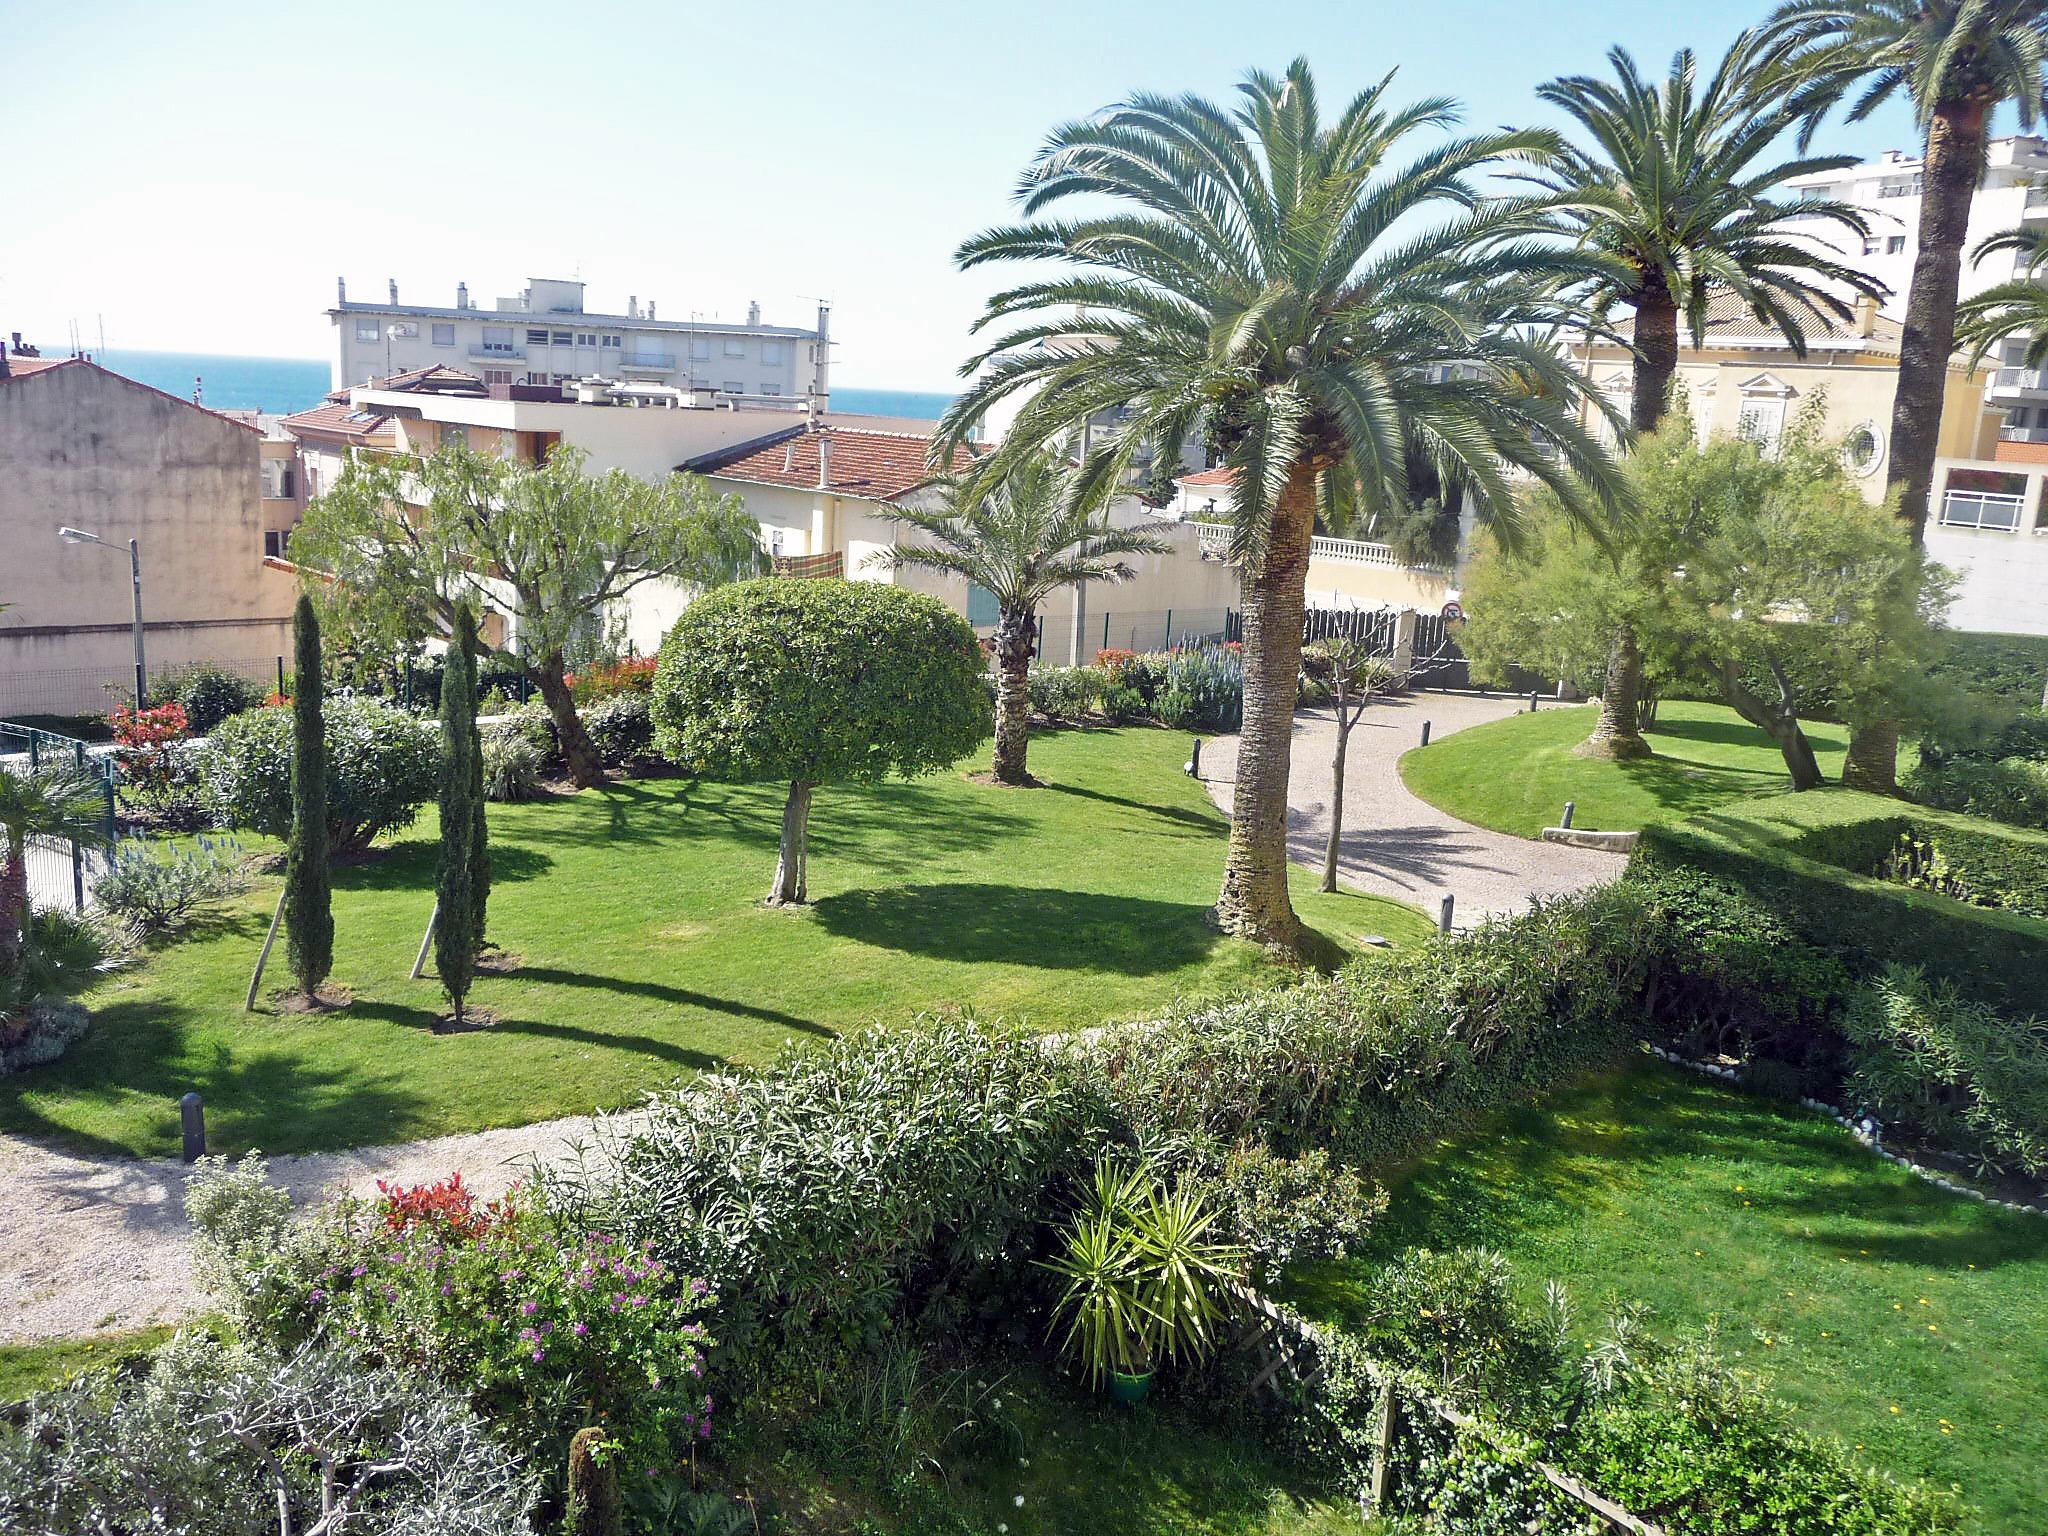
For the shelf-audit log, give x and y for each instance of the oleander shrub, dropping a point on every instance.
(1950, 1070)
(163, 887)
(208, 693)
(1288, 1210)
(511, 765)
(382, 766)
(621, 727)
(2013, 789)
(1063, 693)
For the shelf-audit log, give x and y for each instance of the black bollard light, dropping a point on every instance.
(1532, 701)
(1425, 733)
(1194, 769)
(1443, 921)
(192, 1115)
(1569, 807)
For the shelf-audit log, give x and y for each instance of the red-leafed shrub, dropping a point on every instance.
(603, 680)
(148, 741)
(1116, 662)
(448, 1206)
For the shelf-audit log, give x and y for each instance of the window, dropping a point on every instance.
(612, 341)
(277, 479)
(586, 339)
(771, 389)
(405, 328)
(1870, 245)
(273, 543)
(497, 376)
(452, 435)
(444, 335)
(366, 330)
(735, 346)
(536, 338)
(1904, 186)
(1813, 194)
(565, 338)
(772, 353)
(1863, 448)
(1894, 244)
(497, 338)
(1761, 421)
(734, 387)
(700, 351)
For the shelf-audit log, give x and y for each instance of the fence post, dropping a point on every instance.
(78, 755)
(35, 751)
(77, 877)
(1105, 629)
(280, 677)
(1167, 643)
(1404, 643)
(107, 782)
(1382, 1451)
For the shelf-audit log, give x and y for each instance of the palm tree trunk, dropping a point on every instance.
(13, 905)
(1656, 364)
(1253, 902)
(1330, 850)
(792, 874)
(1013, 697)
(579, 752)
(1873, 760)
(1617, 734)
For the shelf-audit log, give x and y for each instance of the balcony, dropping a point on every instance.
(1214, 542)
(2016, 381)
(503, 351)
(2023, 434)
(649, 362)
(2036, 206)
(1987, 510)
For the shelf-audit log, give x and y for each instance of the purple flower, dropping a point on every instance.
(581, 1329)
(317, 1295)
(537, 1355)
(527, 1308)
(359, 1271)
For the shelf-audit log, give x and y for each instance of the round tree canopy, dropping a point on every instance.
(821, 681)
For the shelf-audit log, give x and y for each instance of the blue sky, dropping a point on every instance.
(198, 174)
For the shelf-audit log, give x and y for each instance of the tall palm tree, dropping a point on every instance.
(53, 803)
(1019, 536)
(1678, 187)
(2017, 307)
(1957, 62)
(1270, 277)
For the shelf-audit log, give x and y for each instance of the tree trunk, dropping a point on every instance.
(1780, 723)
(579, 752)
(1253, 902)
(1656, 338)
(1336, 798)
(1013, 697)
(792, 887)
(1873, 760)
(13, 907)
(1954, 163)
(1617, 734)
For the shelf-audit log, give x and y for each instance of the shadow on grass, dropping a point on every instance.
(1018, 925)
(681, 997)
(1209, 823)
(411, 865)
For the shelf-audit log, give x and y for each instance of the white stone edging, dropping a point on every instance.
(1863, 1127)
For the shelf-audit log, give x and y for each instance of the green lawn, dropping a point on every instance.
(646, 954)
(1909, 1322)
(30, 1368)
(1514, 775)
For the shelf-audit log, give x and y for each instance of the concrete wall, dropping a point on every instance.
(87, 448)
(2003, 574)
(1334, 583)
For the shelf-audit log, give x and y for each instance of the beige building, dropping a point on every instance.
(83, 447)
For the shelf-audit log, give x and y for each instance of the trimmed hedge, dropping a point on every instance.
(2009, 667)
(1807, 860)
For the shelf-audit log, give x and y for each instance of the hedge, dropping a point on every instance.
(1804, 858)
(2009, 667)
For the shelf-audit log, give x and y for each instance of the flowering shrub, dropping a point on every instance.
(547, 1330)
(1115, 662)
(162, 888)
(604, 680)
(148, 742)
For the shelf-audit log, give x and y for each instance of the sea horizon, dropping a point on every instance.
(281, 385)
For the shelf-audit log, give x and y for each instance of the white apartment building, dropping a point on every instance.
(545, 335)
(2014, 193)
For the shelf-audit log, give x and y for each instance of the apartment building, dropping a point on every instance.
(546, 335)
(2013, 194)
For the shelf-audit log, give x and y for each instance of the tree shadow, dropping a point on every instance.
(681, 997)
(1021, 925)
(1209, 823)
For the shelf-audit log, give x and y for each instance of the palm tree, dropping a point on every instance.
(1677, 187)
(1957, 61)
(2017, 307)
(1020, 537)
(1271, 278)
(53, 803)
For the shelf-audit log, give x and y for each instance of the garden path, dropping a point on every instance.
(90, 1244)
(1395, 843)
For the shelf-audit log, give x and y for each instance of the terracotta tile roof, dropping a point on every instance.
(875, 466)
(1222, 474)
(434, 379)
(30, 367)
(1730, 319)
(339, 421)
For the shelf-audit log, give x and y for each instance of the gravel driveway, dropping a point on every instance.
(1395, 844)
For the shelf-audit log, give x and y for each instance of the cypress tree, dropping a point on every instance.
(480, 837)
(308, 906)
(454, 927)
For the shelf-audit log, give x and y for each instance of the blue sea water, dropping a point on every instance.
(285, 384)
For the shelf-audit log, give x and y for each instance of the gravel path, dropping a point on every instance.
(1395, 844)
(90, 1244)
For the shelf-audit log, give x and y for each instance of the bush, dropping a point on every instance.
(244, 1246)
(62, 952)
(2013, 668)
(622, 728)
(1063, 693)
(1454, 1318)
(153, 762)
(35, 1033)
(1120, 703)
(1213, 681)
(1972, 867)
(511, 764)
(1175, 709)
(532, 722)
(1289, 1210)
(382, 766)
(161, 887)
(2013, 790)
(208, 694)
(602, 680)
(1951, 1071)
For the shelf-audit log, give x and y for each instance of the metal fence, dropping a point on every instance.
(1148, 629)
(60, 871)
(76, 700)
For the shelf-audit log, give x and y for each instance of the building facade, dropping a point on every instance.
(547, 335)
(83, 447)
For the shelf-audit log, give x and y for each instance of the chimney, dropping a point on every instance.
(632, 306)
(1866, 315)
(824, 461)
(341, 290)
(753, 311)
(6, 367)
(789, 457)
(394, 289)
(462, 295)
(650, 309)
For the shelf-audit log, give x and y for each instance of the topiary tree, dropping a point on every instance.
(455, 938)
(817, 682)
(308, 905)
(382, 766)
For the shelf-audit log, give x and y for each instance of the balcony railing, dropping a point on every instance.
(2037, 199)
(662, 360)
(2023, 434)
(504, 349)
(1214, 540)
(1981, 509)
(2020, 378)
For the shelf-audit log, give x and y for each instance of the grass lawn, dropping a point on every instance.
(30, 1368)
(646, 954)
(1909, 1322)
(1514, 775)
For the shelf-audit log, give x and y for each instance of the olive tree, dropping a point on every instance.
(399, 542)
(817, 682)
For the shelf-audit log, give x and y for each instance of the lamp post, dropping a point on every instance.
(80, 536)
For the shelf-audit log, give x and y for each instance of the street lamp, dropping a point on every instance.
(80, 536)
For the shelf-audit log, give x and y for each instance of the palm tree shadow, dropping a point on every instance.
(680, 997)
(1012, 925)
(1210, 822)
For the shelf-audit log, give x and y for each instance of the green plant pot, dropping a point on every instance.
(1129, 1389)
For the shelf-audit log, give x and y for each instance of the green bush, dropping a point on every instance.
(1120, 703)
(621, 727)
(1064, 693)
(1175, 709)
(1289, 1210)
(382, 766)
(2013, 668)
(207, 692)
(160, 888)
(511, 764)
(1972, 867)
(533, 723)
(1212, 679)
(2013, 790)
(1454, 1318)
(1951, 1071)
